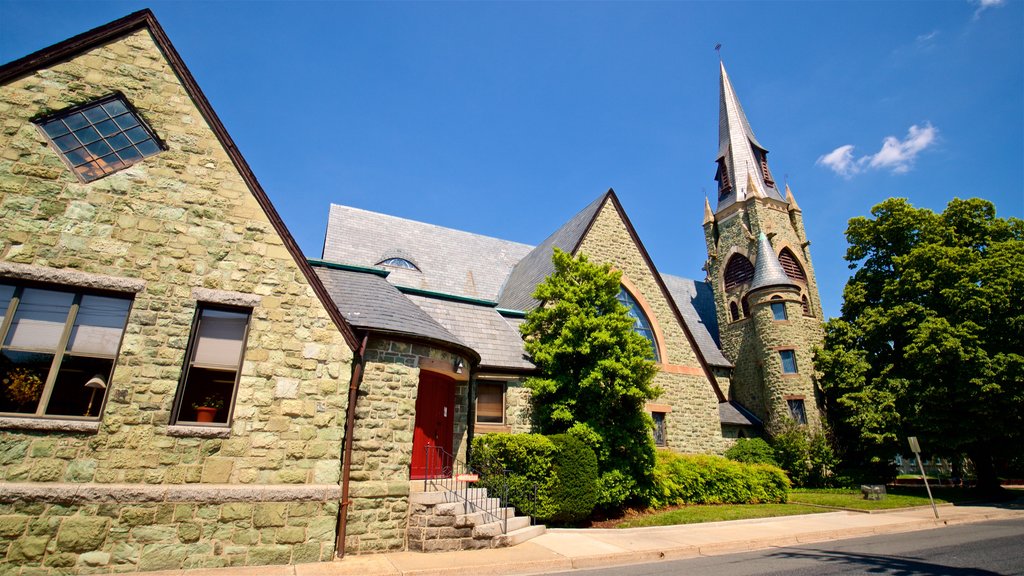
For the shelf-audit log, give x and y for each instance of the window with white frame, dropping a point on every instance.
(58, 347)
(490, 402)
(206, 393)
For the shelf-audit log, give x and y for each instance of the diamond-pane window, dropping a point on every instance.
(100, 138)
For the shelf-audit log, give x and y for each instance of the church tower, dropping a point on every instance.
(759, 266)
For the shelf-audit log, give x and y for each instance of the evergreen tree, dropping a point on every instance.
(595, 371)
(931, 338)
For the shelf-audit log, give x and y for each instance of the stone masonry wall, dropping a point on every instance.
(693, 425)
(749, 344)
(382, 445)
(181, 222)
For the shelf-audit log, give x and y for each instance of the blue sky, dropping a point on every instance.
(505, 119)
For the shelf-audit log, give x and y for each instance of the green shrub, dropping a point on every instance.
(702, 479)
(574, 490)
(552, 478)
(751, 451)
(805, 454)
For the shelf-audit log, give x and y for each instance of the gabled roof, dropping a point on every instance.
(449, 261)
(370, 302)
(696, 302)
(517, 294)
(736, 415)
(144, 19)
(736, 143)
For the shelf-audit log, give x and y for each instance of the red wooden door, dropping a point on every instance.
(435, 423)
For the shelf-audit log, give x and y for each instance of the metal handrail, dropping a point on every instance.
(448, 473)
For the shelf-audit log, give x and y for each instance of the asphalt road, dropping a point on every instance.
(983, 548)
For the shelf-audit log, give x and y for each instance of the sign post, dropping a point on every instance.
(916, 449)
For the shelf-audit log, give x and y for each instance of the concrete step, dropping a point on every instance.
(516, 522)
(516, 537)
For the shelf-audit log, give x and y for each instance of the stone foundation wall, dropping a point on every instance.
(94, 528)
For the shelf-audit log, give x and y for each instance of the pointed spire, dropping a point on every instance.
(768, 270)
(709, 216)
(739, 152)
(792, 201)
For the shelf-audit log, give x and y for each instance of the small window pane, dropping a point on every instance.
(137, 134)
(796, 411)
(126, 121)
(22, 377)
(76, 121)
(79, 156)
(398, 263)
(95, 115)
(130, 154)
(55, 128)
(100, 148)
(118, 142)
(659, 428)
(111, 163)
(219, 344)
(71, 396)
(107, 128)
(98, 326)
(788, 358)
(39, 321)
(115, 107)
(148, 147)
(778, 311)
(87, 135)
(68, 142)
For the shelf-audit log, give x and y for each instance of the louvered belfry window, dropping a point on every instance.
(738, 271)
(792, 266)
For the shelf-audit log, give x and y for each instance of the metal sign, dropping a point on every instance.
(916, 449)
(914, 446)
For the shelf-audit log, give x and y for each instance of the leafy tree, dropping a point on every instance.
(751, 451)
(596, 373)
(931, 336)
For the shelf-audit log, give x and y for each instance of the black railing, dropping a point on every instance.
(446, 472)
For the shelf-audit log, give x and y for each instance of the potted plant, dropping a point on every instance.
(207, 408)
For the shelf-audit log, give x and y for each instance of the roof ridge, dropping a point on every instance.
(429, 225)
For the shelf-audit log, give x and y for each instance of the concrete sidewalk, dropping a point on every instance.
(569, 549)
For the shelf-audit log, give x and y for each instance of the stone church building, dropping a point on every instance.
(181, 387)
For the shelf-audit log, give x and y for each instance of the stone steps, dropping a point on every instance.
(442, 521)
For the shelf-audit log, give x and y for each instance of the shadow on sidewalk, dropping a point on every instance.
(874, 564)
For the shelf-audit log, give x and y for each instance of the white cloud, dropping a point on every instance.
(896, 155)
(984, 4)
(840, 161)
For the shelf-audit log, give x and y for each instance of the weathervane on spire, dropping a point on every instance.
(718, 48)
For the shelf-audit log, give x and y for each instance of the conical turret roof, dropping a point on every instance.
(739, 149)
(768, 270)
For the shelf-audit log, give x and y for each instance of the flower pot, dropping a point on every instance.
(205, 414)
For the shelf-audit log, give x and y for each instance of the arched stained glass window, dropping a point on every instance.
(641, 325)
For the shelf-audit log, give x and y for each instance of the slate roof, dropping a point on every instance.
(517, 294)
(370, 302)
(733, 413)
(768, 270)
(482, 328)
(736, 143)
(696, 303)
(449, 261)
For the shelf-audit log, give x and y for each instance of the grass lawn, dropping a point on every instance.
(896, 497)
(715, 513)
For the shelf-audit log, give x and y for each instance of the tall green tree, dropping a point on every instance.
(930, 342)
(596, 373)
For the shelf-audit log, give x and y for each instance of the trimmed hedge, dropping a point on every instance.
(552, 478)
(700, 479)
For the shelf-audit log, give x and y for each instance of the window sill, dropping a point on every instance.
(485, 428)
(181, 431)
(50, 424)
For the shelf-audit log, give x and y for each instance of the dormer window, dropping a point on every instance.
(100, 138)
(724, 186)
(765, 173)
(398, 263)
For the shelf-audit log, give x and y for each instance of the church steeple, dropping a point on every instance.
(742, 160)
